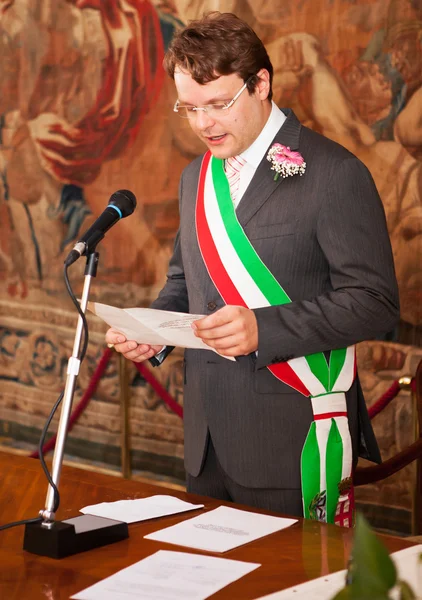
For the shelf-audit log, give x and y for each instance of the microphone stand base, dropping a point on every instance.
(64, 538)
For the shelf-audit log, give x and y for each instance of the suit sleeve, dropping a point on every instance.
(174, 295)
(363, 301)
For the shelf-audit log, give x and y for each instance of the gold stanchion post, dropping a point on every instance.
(124, 416)
(405, 383)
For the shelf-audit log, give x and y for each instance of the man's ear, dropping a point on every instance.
(263, 85)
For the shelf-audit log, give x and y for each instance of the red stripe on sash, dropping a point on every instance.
(284, 372)
(222, 281)
(329, 415)
(216, 270)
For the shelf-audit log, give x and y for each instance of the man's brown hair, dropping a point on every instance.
(218, 44)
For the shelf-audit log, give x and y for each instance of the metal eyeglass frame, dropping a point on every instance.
(205, 108)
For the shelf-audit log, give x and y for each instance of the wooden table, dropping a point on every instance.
(304, 551)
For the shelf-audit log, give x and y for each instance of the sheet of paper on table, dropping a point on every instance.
(408, 565)
(169, 576)
(221, 529)
(140, 509)
(152, 326)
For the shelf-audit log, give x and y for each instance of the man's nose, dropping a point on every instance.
(203, 120)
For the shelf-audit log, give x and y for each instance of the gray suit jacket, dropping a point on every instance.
(324, 237)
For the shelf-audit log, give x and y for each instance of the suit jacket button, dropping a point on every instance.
(211, 306)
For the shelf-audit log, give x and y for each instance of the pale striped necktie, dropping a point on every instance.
(233, 167)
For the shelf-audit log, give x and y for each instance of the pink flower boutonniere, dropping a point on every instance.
(285, 162)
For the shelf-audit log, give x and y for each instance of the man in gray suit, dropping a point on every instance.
(283, 246)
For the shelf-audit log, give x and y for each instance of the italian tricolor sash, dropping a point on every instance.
(242, 279)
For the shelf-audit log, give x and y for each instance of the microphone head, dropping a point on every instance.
(125, 201)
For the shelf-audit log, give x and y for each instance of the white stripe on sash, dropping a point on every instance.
(347, 373)
(343, 428)
(329, 403)
(301, 368)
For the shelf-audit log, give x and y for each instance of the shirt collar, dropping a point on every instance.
(256, 151)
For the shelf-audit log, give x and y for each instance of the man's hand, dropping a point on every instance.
(232, 331)
(129, 348)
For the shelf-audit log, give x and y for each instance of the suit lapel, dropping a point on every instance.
(263, 185)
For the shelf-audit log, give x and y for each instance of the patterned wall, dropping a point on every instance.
(85, 109)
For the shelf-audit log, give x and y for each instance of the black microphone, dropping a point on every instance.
(121, 204)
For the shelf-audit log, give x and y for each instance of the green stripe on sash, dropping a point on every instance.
(337, 359)
(310, 469)
(261, 275)
(319, 367)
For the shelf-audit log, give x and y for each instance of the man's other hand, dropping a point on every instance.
(129, 348)
(232, 331)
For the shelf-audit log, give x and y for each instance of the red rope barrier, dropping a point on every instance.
(159, 389)
(385, 400)
(101, 367)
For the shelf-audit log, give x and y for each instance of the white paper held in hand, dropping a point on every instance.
(152, 326)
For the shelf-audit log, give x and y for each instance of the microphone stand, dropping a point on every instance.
(58, 539)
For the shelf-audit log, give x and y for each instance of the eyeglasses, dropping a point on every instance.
(214, 111)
